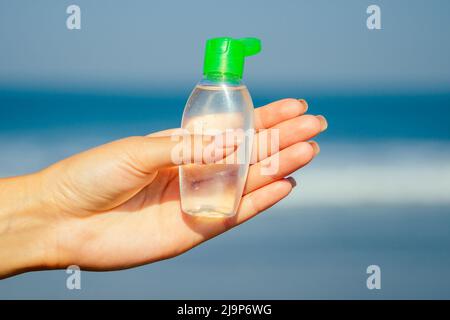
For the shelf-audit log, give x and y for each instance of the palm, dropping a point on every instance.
(150, 225)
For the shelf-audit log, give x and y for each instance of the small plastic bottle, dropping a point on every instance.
(220, 102)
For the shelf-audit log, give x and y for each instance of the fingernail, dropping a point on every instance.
(323, 123)
(315, 147)
(304, 103)
(229, 150)
(220, 154)
(292, 181)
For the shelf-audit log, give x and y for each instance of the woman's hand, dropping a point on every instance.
(118, 205)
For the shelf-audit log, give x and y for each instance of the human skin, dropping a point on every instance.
(118, 205)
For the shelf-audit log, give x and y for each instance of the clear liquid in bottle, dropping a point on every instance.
(215, 189)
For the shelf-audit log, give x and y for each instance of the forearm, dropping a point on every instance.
(24, 229)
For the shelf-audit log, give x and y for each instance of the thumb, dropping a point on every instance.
(108, 175)
(151, 153)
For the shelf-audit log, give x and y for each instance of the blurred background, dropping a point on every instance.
(378, 193)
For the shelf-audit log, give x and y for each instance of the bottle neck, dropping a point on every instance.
(220, 78)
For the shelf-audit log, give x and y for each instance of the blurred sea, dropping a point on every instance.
(378, 193)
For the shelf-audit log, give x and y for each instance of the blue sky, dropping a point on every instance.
(134, 45)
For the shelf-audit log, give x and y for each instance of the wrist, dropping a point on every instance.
(26, 226)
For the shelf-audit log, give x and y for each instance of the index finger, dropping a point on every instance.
(266, 116)
(278, 111)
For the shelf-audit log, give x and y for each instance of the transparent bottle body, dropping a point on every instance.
(215, 189)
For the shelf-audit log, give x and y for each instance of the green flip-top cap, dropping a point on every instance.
(225, 57)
